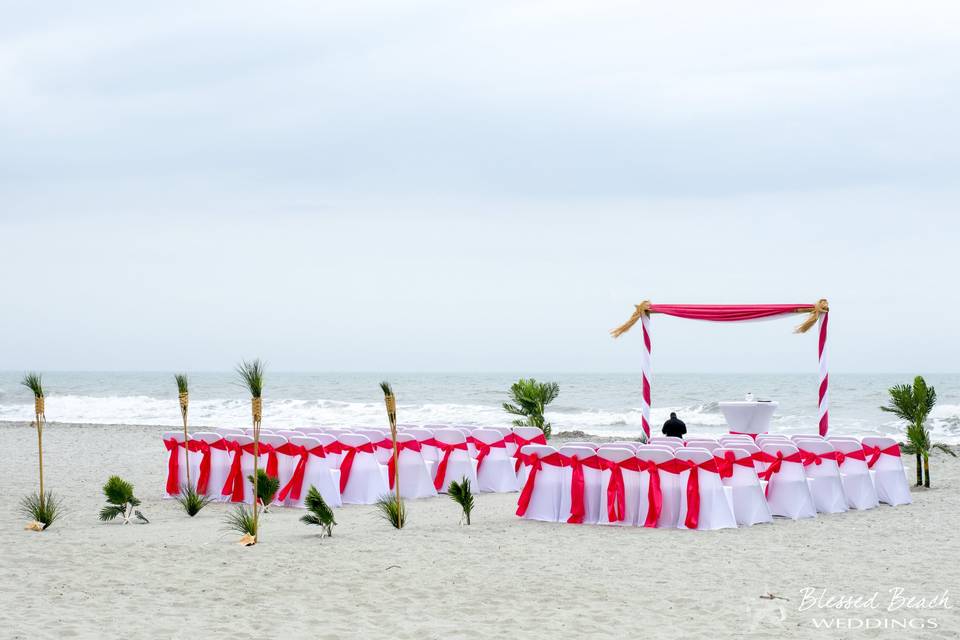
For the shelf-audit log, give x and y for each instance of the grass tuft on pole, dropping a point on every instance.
(392, 510)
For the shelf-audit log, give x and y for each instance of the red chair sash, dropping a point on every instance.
(693, 490)
(347, 463)
(535, 463)
(811, 458)
(876, 452)
(199, 446)
(774, 462)
(483, 449)
(521, 442)
(294, 486)
(857, 454)
(233, 486)
(725, 463)
(410, 445)
(173, 466)
(442, 467)
(578, 485)
(616, 491)
(386, 443)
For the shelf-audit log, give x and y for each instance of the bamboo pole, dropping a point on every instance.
(184, 404)
(40, 416)
(391, 402)
(256, 405)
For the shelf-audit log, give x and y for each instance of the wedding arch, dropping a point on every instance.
(817, 314)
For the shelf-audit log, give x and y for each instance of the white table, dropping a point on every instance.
(748, 416)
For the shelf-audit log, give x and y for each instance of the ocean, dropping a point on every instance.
(603, 404)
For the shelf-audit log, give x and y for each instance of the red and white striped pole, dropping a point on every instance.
(645, 368)
(824, 378)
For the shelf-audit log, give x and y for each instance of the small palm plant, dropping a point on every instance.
(530, 399)
(43, 507)
(183, 389)
(251, 378)
(318, 513)
(460, 493)
(267, 487)
(191, 501)
(120, 502)
(913, 404)
(392, 510)
(241, 520)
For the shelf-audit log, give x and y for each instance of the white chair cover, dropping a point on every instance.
(670, 487)
(788, 493)
(621, 458)
(889, 475)
(495, 470)
(317, 472)
(823, 475)
(855, 475)
(459, 465)
(379, 438)
(542, 488)
(367, 480)
(219, 465)
(702, 443)
(285, 463)
(715, 505)
(415, 480)
(592, 483)
(749, 504)
(671, 441)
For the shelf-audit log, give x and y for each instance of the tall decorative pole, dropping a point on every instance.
(184, 389)
(251, 375)
(34, 382)
(645, 367)
(390, 401)
(824, 395)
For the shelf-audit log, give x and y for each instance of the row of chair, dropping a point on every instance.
(346, 466)
(708, 484)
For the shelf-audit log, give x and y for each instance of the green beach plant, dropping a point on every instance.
(266, 486)
(530, 399)
(242, 521)
(460, 493)
(913, 404)
(318, 513)
(42, 511)
(392, 510)
(251, 378)
(120, 502)
(191, 501)
(183, 391)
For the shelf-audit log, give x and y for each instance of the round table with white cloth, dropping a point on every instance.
(748, 416)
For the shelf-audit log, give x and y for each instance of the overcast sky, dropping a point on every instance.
(476, 186)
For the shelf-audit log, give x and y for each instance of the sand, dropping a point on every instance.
(500, 577)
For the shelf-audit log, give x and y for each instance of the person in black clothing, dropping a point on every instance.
(674, 427)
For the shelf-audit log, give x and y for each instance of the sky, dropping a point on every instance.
(443, 186)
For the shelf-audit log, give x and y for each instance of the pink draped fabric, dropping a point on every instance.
(728, 312)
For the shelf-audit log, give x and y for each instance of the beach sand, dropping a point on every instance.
(500, 577)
